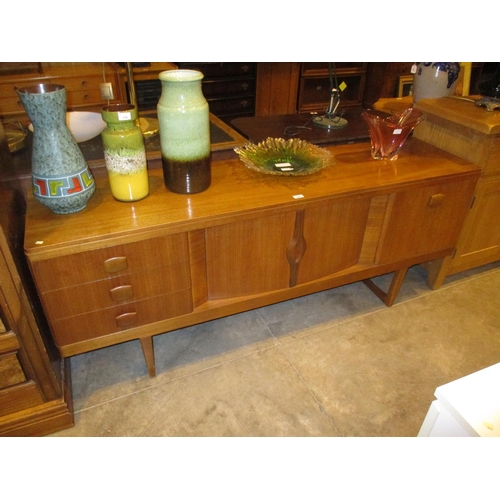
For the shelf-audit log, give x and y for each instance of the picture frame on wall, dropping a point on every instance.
(405, 87)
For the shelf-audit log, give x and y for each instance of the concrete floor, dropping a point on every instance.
(336, 363)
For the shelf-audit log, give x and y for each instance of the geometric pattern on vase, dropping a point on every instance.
(57, 186)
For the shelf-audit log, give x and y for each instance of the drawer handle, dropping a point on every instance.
(436, 200)
(126, 320)
(115, 264)
(123, 292)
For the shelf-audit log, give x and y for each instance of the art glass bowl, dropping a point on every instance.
(388, 134)
(284, 157)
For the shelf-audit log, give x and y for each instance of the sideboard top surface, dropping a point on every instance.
(463, 112)
(235, 192)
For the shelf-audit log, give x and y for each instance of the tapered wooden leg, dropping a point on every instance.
(389, 297)
(437, 271)
(149, 355)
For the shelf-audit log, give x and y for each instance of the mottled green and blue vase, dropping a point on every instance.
(184, 123)
(62, 180)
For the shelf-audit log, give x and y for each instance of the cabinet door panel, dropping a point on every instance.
(425, 220)
(248, 257)
(480, 240)
(334, 238)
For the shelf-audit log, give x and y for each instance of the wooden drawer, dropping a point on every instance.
(11, 105)
(9, 89)
(222, 69)
(225, 88)
(73, 99)
(84, 97)
(71, 270)
(104, 322)
(66, 302)
(229, 106)
(9, 100)
(83, 83)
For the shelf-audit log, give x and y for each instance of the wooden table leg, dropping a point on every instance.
(389, 297)
(149, 354)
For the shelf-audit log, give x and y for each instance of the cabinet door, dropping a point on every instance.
(272, 253)
(20, 388)
(249, 257)
(333, 235)
(425, 220)
(479, 242)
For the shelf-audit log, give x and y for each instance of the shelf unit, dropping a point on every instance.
(314, 85)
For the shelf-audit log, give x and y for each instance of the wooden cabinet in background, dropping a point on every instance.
(470, 132)
(382, 80)
(81, 80)
(315, 89)
(35, 397)
(229, 87)
(277, 86)
(250, 240)
(287, 88)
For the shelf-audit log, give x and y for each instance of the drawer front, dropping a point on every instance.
(77, 269)
(221, 69)
(9, 100)
(104, 322)
(83, 83)
(227, 106)
(227, 88)
(93, 296)
(9, 89)
(84, 97)
(11, 105)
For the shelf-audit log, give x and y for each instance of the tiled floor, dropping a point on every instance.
(336, 363)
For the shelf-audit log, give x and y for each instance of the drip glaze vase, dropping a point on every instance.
(435, 79)
(61, 178)
(388, 134)
(184, 123)
(124, 153)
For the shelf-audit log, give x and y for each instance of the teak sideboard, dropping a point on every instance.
(121, 271)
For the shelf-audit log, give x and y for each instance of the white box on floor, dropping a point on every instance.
(469, 406)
